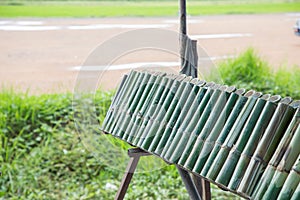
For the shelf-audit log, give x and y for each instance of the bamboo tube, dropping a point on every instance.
(252, 142)
(174, 134)
(172, 114)
(117, 110)
(185, 150)
(134, 88)
(291, 182)
(155, 94)
(181, 110)
(146, 98)
(231, 137)
(207, 162)
(175, 149)
(296, 195)
(266, 147)
(158, 103)
(116, 100)
(291, 152)
(192, 152)
(280, 155)
(276, 185)
(126, 117)
(264, 181)
(233, 107)
(167, 107)
(229, 164)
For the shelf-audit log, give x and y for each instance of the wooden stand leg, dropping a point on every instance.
(134, 155)
(206, 195)
(203, 187)
(198, 188)
(189, 184)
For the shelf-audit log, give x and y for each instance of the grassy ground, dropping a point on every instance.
(251, 72)
(42, 157)
(113, 9)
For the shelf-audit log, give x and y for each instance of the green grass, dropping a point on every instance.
(113, 9)
(249, 71)
(42, 156)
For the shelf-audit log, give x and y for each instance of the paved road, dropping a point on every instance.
(44, 54)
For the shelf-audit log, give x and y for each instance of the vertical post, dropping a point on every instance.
(197, 187)
(188, 47)
(182, 5)
(182, 31)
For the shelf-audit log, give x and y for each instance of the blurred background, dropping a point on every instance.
(43, 46)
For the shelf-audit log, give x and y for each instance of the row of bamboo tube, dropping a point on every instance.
(245, 142)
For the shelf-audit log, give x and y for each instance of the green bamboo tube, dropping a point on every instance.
(203, 164)
(145, 111)
(231, 110)
(266, 146)
(163, 115)
(123, 109)
(192, 152)
(177, 103)
(175, 149)
(125, 118)
(252, 142)
(257, 164)
(134, 88)
(264, 182)
(185, 149)
(172, 133)
(119, 99)
(167, 106)
(117, 110)
(296, 195)
(230, 139)
(285, 153)
(145, 99)
(275, 186)
(158, 103)
(116, 100)
(228, 167)
(291, 182)
(182, 108)
(291, 152)
(167, 95)
(177, 133)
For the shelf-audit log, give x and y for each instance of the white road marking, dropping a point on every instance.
(189, 21)
(126, 66)
(221, 36)
(5, 22)
(141, 65)
(29, 23)
(293, 14)
(28, 28)
(218, 57)
(114, 26)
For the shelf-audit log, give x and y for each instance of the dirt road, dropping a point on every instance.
(44, 54)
